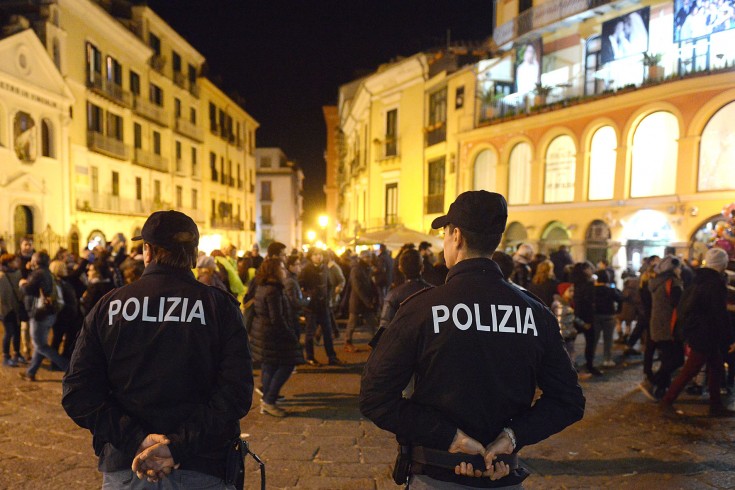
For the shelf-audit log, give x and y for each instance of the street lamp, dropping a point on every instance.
(323, 223)
(311, 236)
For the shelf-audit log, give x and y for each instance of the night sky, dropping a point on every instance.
(288, 58)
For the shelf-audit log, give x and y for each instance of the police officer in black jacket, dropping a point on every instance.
(162, 374)
(478, 347)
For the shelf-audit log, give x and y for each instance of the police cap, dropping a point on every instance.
(476, 211)
(170, 230)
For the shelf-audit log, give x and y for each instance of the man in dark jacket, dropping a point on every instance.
(561, 259)
(363, 298)
(479, 347)
(161, 374)
(702, 313)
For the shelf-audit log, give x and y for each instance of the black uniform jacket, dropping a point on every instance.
(479, 347)
(164, 355)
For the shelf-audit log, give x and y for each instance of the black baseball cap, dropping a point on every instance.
(170, 229)
(476, 211)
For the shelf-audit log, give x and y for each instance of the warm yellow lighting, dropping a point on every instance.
(310, 236)
(323, 220)
(320, 244)
(207, 243)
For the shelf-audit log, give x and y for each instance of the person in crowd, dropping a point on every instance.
(132, 268)
(296, 300)
(643, 330)
(3, 246)
(604, 264)
(438, 273)
(561, 259)
(537, 259)
(505, 262)
(99, 283)
(411, 266)
(666, 289)
(383, 272)
(10, 307)
(41, 284)
(26, 254)
(631, 309)
(568, 321)
(69, 319)
(544, 282)
(273, 338)
(521, 269)
(363, 298)
(255, 256)
(474, 388)
(427, 255)
(606, 300)
(584, 308)
(314, 281)
(702, 313)
(228, 273)
(207, 273)
(163, 394)
(337, 283)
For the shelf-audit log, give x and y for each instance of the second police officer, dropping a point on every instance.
(479, 347)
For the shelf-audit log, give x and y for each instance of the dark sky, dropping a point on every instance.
(288, 58)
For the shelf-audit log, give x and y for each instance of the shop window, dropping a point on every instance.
(484, 173)
(561, 163)
(519, 185)
(602, 164)
(655, 156)
(717, 152)
(47, 139)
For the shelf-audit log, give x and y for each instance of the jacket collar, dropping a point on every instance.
(480, 265)
(154, 268)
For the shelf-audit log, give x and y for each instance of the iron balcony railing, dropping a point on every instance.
(434, 203)
(109, 90)
(227, 223)
(187, 128)
(149, 110)
(150, 160)
(107, 145)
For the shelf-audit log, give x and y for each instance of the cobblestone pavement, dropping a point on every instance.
(622, 442)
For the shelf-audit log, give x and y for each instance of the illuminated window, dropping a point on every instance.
(655, 151)
(519, 185)
(717, 152)
(485, 168)
(561, 162)
(602, 163)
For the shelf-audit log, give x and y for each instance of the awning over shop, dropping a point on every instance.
(395, 238)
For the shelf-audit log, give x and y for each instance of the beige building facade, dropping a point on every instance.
(135, 138)
(615, 151)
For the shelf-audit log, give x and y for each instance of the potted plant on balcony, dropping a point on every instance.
(490, 100)
(655, 70)
(541, 91)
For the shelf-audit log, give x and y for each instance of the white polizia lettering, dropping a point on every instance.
(504, 318)
(158, 310)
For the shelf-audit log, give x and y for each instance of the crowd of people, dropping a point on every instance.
(667, 308)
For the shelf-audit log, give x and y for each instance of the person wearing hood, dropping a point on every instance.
(666, 289)
(702, 314)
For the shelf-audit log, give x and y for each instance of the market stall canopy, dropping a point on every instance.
(394, 238)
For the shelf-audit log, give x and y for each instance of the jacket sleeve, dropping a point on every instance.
(389, 311)
(231, 396)
(86, 396)
(361, 288)
(388, 370)
(561, 403)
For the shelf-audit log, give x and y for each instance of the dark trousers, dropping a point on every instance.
(368, 317)
(12, 333)
(274, 376)
(671, 354)
(648, 358)
(691, 368)
(637, 333)
(589, 346)
(323, 318)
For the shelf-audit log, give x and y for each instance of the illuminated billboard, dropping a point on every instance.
(694, 19)
(625, 36)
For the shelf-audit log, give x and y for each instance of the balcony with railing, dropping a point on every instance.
(228, 223)
(187, 128)
(194, 89)
(107, 145)
(436, 133)
(150, 160)
(150, 111)
(109, 90)
(434, 203)
(158, 62)
(180, 80)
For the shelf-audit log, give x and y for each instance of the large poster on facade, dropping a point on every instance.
(695, 18)
(528, 66)
(625, 36)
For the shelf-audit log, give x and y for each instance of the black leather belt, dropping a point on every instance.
(447, 460)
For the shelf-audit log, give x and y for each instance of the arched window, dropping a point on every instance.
(519, 185)
(485, 170)
(514, 234)
(655, 156)
(717, 152)
(47, 139)
(561, 163)
(602, 164)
